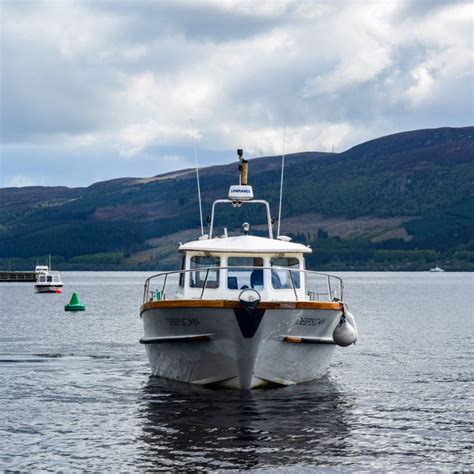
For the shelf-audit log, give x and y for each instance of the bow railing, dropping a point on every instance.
(318, 286)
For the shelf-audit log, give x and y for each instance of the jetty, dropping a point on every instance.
(9, 276)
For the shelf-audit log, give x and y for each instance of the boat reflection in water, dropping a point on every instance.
(203, 428)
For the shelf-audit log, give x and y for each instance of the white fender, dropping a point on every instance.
(351, 320)
(345, 333)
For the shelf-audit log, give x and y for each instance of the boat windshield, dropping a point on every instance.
(50, 278)
(240, 278)
(199, 265)
(281, 278)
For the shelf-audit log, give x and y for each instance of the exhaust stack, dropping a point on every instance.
(243, 168)
(243, 191)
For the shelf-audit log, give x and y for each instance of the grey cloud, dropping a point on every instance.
(147, 21)
(418, 9)
(44, 94)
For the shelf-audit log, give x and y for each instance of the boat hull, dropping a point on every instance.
(47, 288)
(234, 347)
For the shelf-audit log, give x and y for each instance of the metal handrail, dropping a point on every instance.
(293, 284)
(243, 267)
(205, 282)
(240, 203)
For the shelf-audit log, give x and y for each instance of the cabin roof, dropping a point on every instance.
(244, 244)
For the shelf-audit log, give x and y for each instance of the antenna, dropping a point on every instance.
(197, 177)
(281, 181)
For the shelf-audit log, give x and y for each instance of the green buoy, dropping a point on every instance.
(75, 304)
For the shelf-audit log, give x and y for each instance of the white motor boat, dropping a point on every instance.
(436, 269)
(243, 312)
(47, 281)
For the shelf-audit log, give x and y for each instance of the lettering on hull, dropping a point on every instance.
(309, 321)
(183, 322)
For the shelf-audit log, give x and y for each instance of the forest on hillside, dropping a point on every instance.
(425, 177)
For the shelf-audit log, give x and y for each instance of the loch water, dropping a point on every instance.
(76, 391)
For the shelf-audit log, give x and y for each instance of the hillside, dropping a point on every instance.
(403, 201)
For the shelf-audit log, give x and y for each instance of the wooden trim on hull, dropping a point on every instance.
(307, 340)
(315, 305)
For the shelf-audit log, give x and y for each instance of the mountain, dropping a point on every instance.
(404, 201)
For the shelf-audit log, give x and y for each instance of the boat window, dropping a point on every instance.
(198, 276)
(281, 278)
(181, 275)
(243, 275)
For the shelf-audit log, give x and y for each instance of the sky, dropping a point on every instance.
(101, 89)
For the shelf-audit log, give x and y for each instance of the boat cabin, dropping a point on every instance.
(223, 267)
(41, 269)
(48, 277)
(45, 275)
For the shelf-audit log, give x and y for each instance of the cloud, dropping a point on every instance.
(107, 88)
(202, 22)
(19, 181)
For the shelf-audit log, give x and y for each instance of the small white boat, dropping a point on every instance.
(47, 281)
(243, 311)
(436, 269)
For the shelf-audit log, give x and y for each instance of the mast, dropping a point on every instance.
(197, 178)
(281, 181)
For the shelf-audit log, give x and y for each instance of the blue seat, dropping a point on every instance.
(256, 278)
(232, 283)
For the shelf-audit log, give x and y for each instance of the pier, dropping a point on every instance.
(8, 276)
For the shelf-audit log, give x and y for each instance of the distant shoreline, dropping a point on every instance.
(322, 269)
